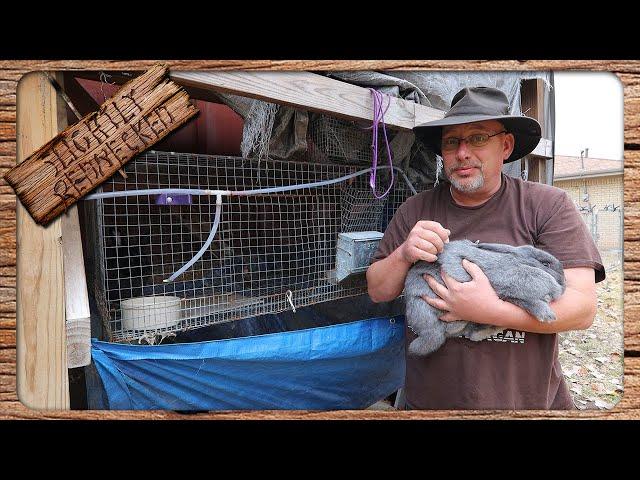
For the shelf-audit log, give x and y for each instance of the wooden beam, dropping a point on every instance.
(532, 100)
(424, 114)
(77, 313)
(532, 97)
(309, 91)
(41, 370)
(315, 92)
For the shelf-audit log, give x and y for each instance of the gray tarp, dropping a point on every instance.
(281, 132)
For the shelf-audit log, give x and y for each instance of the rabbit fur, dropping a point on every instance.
(525, 276)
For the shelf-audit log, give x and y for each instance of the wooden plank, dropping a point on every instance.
(309, 91)
(8, 338)
(532, 99)
(8, 322)
(77, 314)
(424, 114)
(632, 331)
(7, 147)
(532, 104)
(86, 154)
(13, 70)
(42, 379)
(314, 92)
(7, 301)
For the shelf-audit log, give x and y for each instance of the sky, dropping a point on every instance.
(589, 114)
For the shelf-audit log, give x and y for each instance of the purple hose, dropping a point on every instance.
(378, 117)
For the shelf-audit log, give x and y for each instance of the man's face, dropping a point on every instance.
(471, 168)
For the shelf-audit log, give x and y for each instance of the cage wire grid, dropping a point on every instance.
(271, 253)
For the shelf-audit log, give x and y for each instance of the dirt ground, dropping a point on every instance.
(592, 359)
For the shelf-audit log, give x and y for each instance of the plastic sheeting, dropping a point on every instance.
(281, 133)
(437, 89)
(346, 366)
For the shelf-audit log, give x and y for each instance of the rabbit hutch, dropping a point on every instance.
(224, 267)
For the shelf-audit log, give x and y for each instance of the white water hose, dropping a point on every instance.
(220, 193)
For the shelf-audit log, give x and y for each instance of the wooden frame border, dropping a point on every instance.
(627, 71)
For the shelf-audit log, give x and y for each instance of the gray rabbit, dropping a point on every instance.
(525, 276)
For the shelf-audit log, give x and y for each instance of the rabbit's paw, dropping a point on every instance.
(543, 312)
(423, 346)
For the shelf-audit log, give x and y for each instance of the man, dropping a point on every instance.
(519, 369)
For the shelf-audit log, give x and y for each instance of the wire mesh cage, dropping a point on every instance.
(331, 139)
(271, 252)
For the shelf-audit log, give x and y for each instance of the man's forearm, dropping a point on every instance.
(385, 278)
(574, 311)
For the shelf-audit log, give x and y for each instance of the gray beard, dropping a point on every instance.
(477, 183)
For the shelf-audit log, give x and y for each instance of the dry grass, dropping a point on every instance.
(592, 359)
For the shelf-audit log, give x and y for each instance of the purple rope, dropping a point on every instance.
(378, 117)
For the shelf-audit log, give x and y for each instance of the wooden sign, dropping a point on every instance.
(89, 152)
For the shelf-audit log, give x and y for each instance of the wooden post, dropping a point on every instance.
(76, 296)
(310, 91)
(77, 314)
(42, 376)
(532, 102)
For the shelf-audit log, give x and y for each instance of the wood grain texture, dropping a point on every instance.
(313, 92)
(42, 375)
(308, 91)
(77, 312)
(74, 162)
(627, 71)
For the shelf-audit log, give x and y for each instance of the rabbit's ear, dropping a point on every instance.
(497, 247)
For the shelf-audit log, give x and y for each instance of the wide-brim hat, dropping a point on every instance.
(477, 104)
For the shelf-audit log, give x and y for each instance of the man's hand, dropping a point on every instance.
(475, 300)
(424, 242)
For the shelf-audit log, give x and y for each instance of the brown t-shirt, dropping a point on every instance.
(512, 370)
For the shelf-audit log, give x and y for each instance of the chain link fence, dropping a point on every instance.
(606, 226)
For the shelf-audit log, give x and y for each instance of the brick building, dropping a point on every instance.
(596, 187)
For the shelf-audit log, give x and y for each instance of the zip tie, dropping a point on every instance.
(290, 298)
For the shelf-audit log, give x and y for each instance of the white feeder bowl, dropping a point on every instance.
(150, 313)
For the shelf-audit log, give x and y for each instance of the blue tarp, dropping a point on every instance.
(345, 366)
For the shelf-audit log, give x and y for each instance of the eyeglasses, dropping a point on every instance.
(476, 140)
